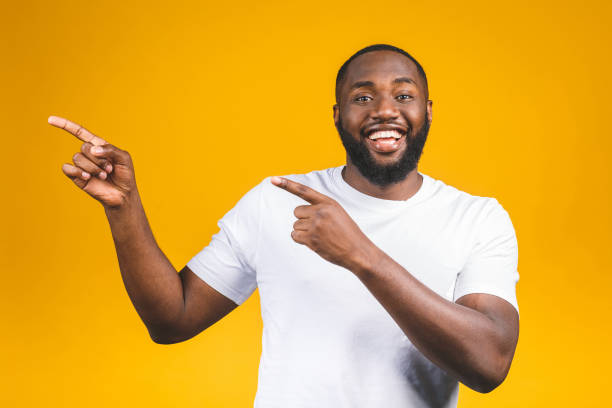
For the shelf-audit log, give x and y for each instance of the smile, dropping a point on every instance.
(385, 134)
(385, 141)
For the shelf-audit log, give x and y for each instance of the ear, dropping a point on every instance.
(429, 110)
(336, 114)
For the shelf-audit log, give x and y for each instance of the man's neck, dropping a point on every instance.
(396, 191)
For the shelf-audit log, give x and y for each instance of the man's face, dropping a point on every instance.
(383, 116)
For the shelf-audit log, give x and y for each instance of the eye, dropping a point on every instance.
(407, 97)
(360, 98)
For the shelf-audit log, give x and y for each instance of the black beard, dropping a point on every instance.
(383, 175)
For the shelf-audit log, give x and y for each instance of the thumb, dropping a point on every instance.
(116, 155)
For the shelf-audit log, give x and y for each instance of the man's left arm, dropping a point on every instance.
(473, 339)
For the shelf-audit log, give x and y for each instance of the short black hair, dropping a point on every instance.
(377, 47)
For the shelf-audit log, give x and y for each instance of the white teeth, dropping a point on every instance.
(385, 133)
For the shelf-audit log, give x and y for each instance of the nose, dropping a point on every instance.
(385, 109)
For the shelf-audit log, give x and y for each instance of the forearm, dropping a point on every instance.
(464, 342)
(474, 347)
(106, 173)
(152, 283)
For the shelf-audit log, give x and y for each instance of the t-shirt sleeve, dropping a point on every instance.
(492, 265)
(228, 262)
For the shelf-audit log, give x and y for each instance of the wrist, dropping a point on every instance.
(129, 200)
(128, 220)
(367, 261)
(130, 210)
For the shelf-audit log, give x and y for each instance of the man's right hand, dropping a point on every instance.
(174, 307)
(102, 170)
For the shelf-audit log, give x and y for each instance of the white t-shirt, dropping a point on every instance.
(327, 341)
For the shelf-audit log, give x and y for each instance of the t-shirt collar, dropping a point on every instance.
(365, 201)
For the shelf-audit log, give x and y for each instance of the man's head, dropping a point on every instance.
(382, 112)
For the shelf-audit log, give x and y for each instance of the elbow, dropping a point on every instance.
(487, 385)
(164, 336)
(491, 376)
(164, 340)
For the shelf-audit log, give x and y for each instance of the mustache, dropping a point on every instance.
(379, 174)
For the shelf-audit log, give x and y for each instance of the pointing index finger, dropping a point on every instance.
(300, 190)
(77, 130)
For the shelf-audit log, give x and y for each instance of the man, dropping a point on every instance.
(380, 286)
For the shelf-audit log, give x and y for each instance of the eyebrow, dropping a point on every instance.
(399, 80)
(404, 79)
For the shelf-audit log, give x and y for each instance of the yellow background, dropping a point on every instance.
(210, 98)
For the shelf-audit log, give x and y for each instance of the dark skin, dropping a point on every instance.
(402, 103)
(173, 306)
(473, 339)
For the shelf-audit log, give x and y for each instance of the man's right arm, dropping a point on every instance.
(174, 307)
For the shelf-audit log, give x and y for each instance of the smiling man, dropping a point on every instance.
(380, 286)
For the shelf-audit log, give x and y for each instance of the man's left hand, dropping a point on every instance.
(326, 228)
